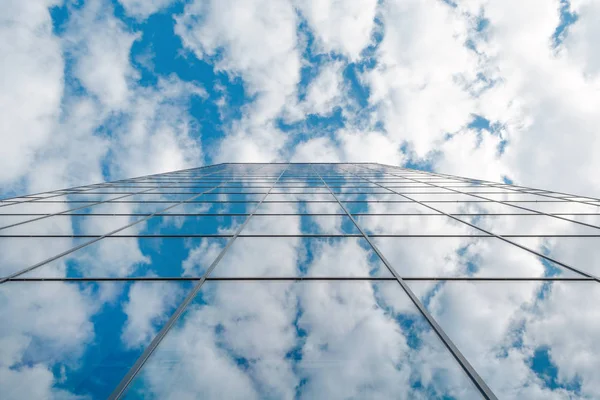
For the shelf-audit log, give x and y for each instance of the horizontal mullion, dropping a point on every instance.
(227, 214)
(282, 187)
(292, 235)
(308, 278)
(294, 201)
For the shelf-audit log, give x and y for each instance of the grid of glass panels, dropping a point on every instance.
(299, 281)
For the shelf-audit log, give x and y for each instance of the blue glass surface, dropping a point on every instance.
(17, 254)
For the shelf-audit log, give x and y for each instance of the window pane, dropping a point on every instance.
(451, 196)
(533, 224)
(33, 208)
(295, 256)
(300, 197)
(582, 253)
(399, 208)
(515, 196)
(478, 207)
(561, 207)
(300, 208)
(17, 254)
(299, 224)
(186, 225)
(414, 225)
(65, 224)
(464, 256)
(212, 208)
(135, 257)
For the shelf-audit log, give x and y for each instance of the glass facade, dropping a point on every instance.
(300, 281)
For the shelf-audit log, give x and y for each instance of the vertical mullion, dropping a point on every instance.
(488, 232)
(131, 374)
(464, 363)
(34, 266)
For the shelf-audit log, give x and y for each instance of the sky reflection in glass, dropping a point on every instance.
(299, 281)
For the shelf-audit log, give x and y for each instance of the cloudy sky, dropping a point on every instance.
(101, 90)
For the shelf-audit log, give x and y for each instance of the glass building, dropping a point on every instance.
(300, 281)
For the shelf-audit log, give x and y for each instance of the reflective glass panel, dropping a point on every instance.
(300, 208)
(533, 224)
(19, 253)
(135, 257)
(464, 256)
(185, 225)
(296, 256)
(561, 207)
(299, 224)
(582, 253)
(414, 225)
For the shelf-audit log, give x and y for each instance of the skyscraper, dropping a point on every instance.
(300, 281)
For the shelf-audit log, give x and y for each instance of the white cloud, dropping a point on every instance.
(419, 86)
(101, 60)
(549, 134)
(325, 91)
(75, 154)
(321, 149)
(31, 86)
(350, 145)
(369, 146)
(481, 150)
(340, 26)
(250, 142)
(157, 135)
(581, 38)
